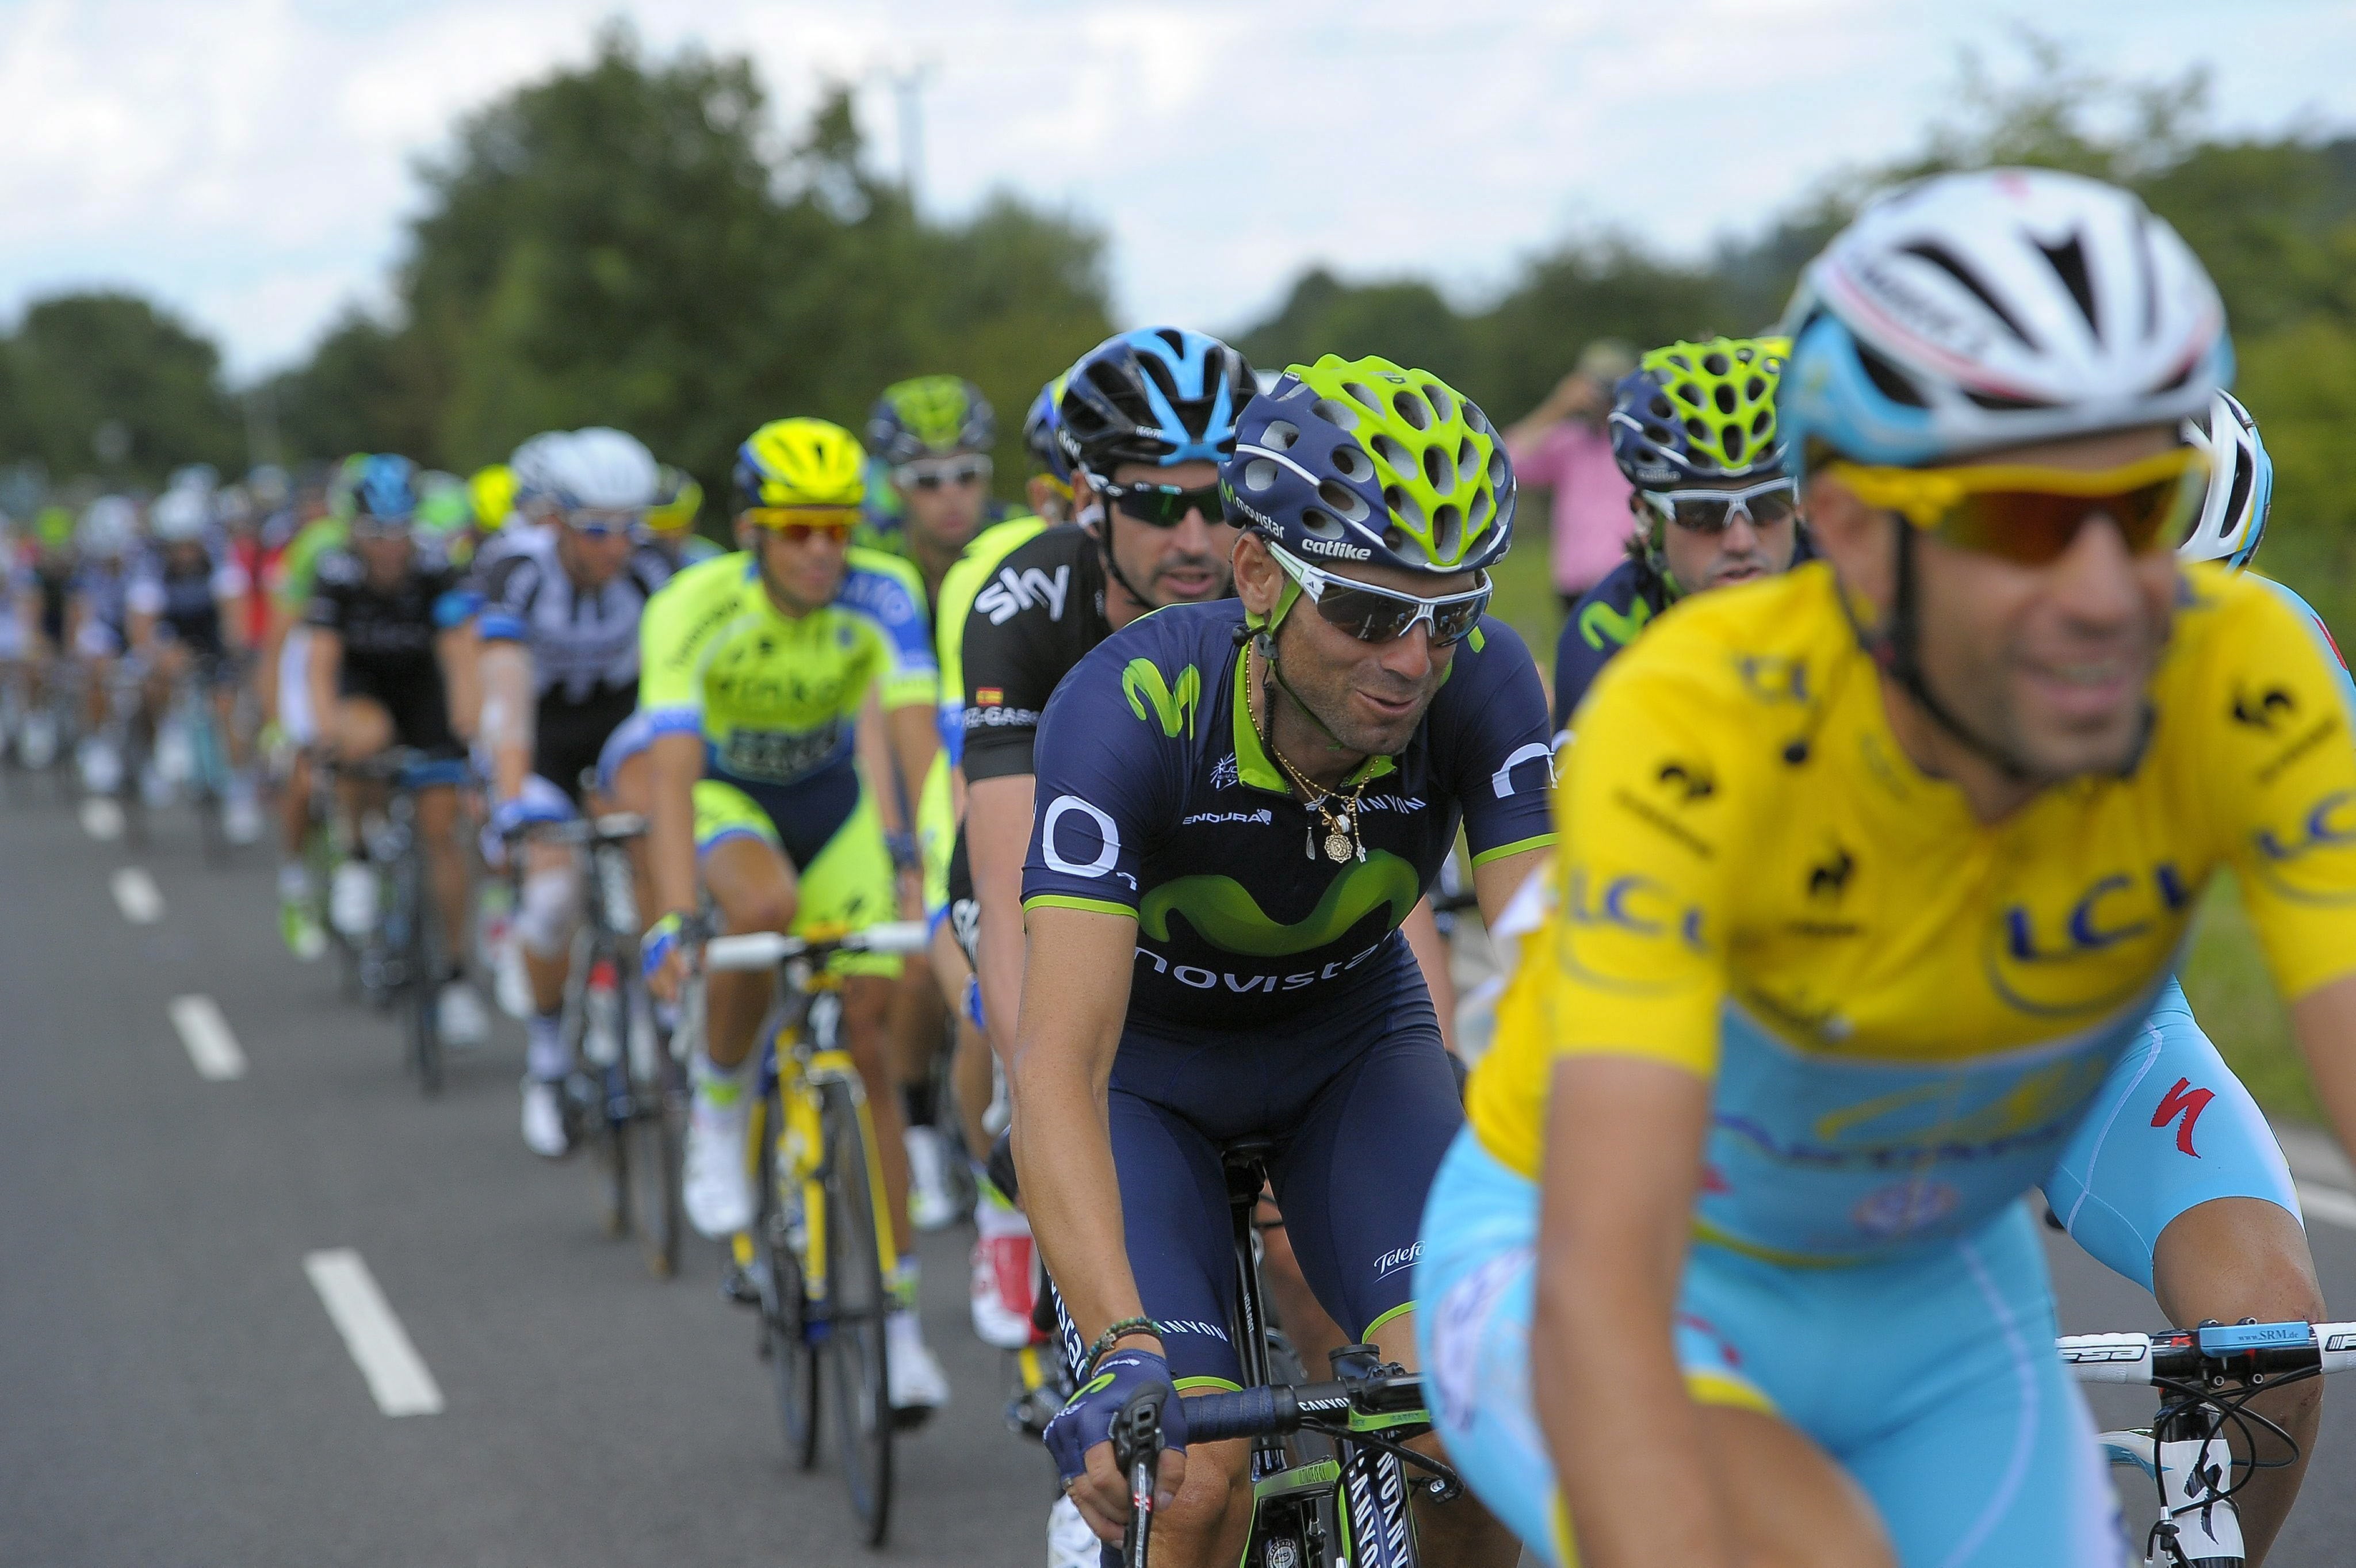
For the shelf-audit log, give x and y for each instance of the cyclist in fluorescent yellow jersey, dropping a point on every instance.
(671, 521)
(753, 670)
(1867, 875)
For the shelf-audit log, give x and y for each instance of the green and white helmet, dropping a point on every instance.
(1364, 462)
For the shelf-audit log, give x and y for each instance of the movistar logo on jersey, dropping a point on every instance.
(1223, 912)
(1600, 621)
(1142, 685)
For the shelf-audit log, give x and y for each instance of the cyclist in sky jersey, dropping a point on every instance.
(185, 603)
(1239, 804)
(2174, 1179)
(389, 650)
(1870, 873)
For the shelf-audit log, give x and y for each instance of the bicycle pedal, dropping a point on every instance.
(910, 1419)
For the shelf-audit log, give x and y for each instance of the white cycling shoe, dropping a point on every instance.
(544, 1118)
(714, 1187)
(1070, 1543)
(352, 899)
(932, 1201)
(242, 815)
(464, 1024)
(917, 1383)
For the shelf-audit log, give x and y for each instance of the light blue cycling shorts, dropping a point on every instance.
(1931, 1379)
(2170, 1128)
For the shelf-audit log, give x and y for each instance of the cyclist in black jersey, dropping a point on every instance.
(559, 675)
(43, 584)
(390, 665)
(1241, 803)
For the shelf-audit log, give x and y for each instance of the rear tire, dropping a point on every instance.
(862, 1384)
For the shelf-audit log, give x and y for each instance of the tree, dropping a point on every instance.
(81, 362)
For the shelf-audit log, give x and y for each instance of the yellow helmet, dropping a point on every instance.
(492, 492)
(678, 498)
(800, 462)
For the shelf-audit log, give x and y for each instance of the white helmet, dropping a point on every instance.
(601, 469)
(107, 528)
(179, 515)
(2241, 484)
(1968, 312)
(530, 465)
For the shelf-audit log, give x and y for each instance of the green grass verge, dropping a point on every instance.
(2233, 997)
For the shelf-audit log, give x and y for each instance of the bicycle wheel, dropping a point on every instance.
(207, 777)
(856, 1303)
(420, 965)
(658, 1132)
(786, 1341)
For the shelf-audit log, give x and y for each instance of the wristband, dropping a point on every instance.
(904, 850)
(1113, 1335)
(661, 941)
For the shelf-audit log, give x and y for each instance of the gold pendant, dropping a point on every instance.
(1337, 848)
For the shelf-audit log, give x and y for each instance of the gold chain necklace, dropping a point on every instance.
(1342, 839)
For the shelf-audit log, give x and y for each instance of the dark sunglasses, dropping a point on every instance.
(1163, 506)
(1378, 615)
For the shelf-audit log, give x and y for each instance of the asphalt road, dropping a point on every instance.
(174, 1392)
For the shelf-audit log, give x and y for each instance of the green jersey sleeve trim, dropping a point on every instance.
(1065, 901)
(1541, 841)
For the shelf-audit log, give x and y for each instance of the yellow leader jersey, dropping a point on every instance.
(1902, 1010)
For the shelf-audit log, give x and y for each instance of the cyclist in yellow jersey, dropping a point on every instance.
(1867, 875)
(753, 672)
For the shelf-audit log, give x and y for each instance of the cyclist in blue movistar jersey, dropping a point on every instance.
(2174, 1179)
(1239, 804)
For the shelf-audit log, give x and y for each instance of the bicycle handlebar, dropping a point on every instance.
(2217, 1350)
(767, 950)
(614, 827)
(1281, 1409)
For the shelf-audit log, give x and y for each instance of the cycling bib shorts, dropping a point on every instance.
(843, 866)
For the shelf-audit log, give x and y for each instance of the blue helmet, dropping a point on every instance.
(384, 488)
(1039, 431)
(1159, 395)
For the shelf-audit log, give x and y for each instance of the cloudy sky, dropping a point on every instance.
(250, 161)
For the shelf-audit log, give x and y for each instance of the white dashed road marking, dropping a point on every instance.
(396, 1374)
(136, 894)
(206, 1034)
(2319, 1202)
(102, 819)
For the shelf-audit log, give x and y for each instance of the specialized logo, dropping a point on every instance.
(1010, 593)
(1599, 622)
(1225, 914)
(1141, 683)
(2265, 710)
(1692, 780)
(2188, 1103)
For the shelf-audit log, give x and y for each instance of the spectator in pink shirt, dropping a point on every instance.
(1562, 445)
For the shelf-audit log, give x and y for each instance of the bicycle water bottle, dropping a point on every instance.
(601, 1035)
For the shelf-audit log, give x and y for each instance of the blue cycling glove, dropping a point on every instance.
(973, 1001)
(1087, 1416)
